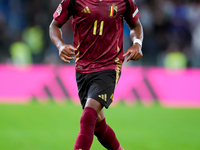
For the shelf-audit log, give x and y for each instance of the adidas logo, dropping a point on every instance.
(86, 10)
(103, 96)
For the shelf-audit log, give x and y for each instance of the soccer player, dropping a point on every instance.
(97, 46)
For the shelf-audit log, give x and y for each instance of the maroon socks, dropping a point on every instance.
(87, 126)
(106, 136)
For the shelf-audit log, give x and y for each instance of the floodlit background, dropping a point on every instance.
(156, 103)
(169, 25)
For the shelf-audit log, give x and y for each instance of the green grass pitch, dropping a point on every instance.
(54, 126)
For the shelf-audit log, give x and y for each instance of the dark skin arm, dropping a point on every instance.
(65, 51)
(135, 52)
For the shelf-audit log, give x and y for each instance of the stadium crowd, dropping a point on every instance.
(170, 26)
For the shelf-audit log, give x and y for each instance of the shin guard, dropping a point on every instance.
(87, 126)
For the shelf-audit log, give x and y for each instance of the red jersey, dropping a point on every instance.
(98, 31)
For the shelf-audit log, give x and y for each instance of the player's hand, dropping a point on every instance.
(135, 52)
(66, 52)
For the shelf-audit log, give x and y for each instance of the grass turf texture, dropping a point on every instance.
(54, 126)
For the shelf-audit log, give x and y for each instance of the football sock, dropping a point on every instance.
(87, 126)
(120, 148)
(106, 136)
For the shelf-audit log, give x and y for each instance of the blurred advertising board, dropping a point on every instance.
(171, 88)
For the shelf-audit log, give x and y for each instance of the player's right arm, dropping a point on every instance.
(55, 33)
(61, 15)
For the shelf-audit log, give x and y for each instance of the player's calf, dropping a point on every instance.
(87, 126)
(106, 136)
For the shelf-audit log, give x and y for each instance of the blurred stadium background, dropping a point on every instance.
(157, 100)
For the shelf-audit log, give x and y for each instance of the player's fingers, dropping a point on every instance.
(68, 57)
(134, 57)
(64, 52)
(130, 57)
(71, 53)
(125, 54)
(67, 52)
(138, 56)
(72, 48)
(65, 60)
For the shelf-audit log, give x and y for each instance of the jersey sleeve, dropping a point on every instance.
(132, 13)
(63, 11)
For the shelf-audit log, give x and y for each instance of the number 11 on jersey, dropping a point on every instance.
(95, 28)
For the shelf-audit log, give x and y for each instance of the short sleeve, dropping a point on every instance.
(63, 11)
(132, 13)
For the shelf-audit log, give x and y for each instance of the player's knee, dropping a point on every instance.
(94, 104)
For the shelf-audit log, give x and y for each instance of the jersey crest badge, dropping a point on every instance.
(113, 11)
(59, 10)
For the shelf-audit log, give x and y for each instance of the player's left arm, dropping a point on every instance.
(136, 35)
(131, 16)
